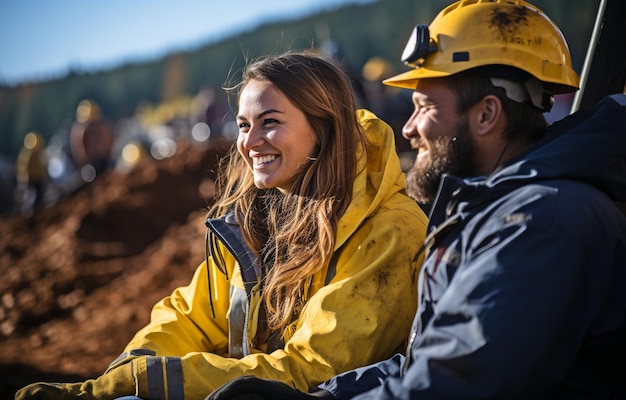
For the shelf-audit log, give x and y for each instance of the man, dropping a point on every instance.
(522, 292)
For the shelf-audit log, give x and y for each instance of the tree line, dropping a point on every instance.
(361, 31)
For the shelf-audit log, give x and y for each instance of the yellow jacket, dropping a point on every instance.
(362, 315)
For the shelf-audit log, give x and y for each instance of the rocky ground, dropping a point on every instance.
(78, 278)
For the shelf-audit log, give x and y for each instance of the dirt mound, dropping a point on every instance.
(79, 278)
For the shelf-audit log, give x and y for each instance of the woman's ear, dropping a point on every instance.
(486, 115)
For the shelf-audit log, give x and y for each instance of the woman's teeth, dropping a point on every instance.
(263, 160)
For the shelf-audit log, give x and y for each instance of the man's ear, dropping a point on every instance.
(486, 115)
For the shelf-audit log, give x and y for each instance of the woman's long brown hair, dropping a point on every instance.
(294, 233)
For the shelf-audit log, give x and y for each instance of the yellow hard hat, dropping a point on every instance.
(87, 110)
(475, 33)
(33, 140)
(376, 68)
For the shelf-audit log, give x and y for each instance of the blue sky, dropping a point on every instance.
(42, 39)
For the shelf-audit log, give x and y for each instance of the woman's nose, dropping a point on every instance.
(252, 138)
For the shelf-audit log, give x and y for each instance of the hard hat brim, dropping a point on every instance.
(408, 79)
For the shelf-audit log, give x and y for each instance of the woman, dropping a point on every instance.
(312, 240)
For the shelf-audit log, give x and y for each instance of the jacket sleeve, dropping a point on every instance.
(182, 323)
(527, 292)
(362, 316)
(349, 384)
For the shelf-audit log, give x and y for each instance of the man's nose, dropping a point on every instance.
(409, 130)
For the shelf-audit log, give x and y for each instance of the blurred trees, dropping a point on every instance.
(379, 28)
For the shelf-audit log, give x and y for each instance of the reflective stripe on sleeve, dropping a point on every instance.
(165, 378)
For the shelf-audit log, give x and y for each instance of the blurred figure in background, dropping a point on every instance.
(208, 116)
(333, 49)
(31, 173)
(91, 140)
(392, 105)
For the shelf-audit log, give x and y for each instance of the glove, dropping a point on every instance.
(253, 388)
(115, 383)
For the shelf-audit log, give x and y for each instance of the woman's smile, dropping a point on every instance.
(262, 161)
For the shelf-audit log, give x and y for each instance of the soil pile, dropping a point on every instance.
(79, 278)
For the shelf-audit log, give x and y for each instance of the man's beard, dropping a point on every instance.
(452, 155)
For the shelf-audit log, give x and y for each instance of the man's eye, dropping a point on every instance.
(424, 107)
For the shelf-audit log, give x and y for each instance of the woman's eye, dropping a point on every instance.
(243, 125)
(269, 121)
